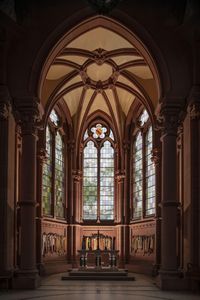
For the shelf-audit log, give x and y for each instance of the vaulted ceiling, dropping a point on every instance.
(99, 71)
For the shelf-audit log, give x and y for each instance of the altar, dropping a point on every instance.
(98, 252)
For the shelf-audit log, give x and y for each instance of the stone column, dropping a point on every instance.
(194, 113)
(169, 202)
(6, 186)
(27, 275)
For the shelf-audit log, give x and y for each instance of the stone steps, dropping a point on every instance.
(101, 274)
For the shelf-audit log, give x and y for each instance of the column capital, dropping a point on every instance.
(28, 114)
(194, 103)
(5, 100)
(170, 116)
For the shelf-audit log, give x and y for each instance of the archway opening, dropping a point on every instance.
(102, 87)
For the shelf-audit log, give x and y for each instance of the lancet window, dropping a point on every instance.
(53, 181)
(143, 169)
(98, 173)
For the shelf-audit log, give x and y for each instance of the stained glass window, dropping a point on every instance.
(150, 176)
(47, 176)
(143, 170)
(144, 117)
(53, 181)
(99, 131)
(54, 117)
(98, 175)
(59, 176)
(107, 182)
(111, 135)
(90, 181)
(85, 135)
(138, 176)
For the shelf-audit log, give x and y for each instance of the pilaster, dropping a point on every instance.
(194, 117)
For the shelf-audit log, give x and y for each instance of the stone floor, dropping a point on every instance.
(53, 288)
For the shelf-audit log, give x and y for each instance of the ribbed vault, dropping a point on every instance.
(99, 70)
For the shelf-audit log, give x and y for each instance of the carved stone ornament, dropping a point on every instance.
(4, 111)
(194, 110)
(42, 155)
(120, 176)
(77, 175)
(194, 103)
(99, 56)
(169, 119)
(27, 115)
(155, 156)
(5, 106)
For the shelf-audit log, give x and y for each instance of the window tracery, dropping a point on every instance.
(98, 173)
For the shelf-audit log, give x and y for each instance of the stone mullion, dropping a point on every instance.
(144, 174)
(98, 182)
(126, 189)
(53, 180)
(17, 192)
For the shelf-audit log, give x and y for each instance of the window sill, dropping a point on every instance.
(55, 220)
(143, 220)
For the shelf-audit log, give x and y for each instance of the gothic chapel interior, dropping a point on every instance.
(100, 137)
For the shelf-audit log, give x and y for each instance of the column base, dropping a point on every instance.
(172, 280)
(41, 269)
(26, 279)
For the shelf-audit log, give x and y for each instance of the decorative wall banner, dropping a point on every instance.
(53, 244)
(143, 244)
